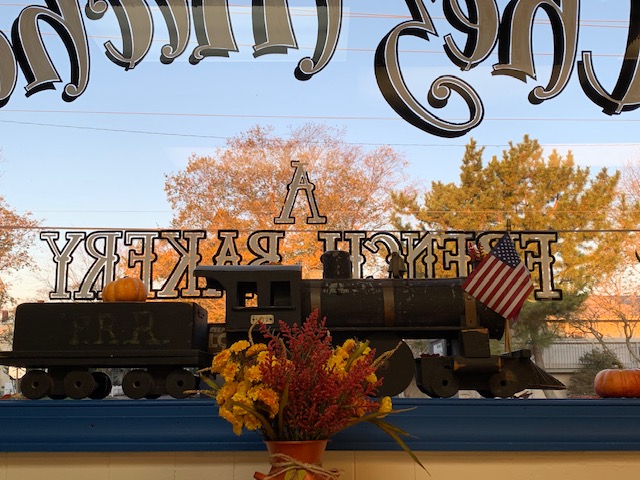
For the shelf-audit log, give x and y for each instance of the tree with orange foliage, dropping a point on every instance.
(16, 237)
(244, 184)
(243, 187)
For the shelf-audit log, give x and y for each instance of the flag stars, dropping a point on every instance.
(506, 252)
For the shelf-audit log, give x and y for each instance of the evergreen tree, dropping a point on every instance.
(533, 192)
(581, 383)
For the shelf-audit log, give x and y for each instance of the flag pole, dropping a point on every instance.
(507, 336)
(507, 328)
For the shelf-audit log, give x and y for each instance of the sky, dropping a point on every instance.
(101, 160)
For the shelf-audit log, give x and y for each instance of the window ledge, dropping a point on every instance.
(435, 425)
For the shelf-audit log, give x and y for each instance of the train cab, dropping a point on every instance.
(256, 293)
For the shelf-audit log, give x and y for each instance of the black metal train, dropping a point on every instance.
(384, 311)
(67, 346)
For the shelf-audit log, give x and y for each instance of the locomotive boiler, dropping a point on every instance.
(386, 312)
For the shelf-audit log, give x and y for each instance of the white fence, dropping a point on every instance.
(564, 356)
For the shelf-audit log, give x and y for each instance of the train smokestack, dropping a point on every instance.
(336, 264)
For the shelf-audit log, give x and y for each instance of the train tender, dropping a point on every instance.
(65, 347)
(386, 312)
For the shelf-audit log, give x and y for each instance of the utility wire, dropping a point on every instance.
(225, 138)
(311, 231)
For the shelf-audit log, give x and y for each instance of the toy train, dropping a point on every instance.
(65, 346)
(384, 311)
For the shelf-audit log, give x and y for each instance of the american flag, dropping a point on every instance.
(501, 281)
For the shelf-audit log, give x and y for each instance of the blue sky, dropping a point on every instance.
(101, 160)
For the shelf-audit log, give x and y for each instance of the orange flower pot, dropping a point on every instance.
(288, 456)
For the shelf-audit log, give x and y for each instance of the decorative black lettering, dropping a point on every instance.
(227, 253)
(8, 70)
(299, 182)
(65, 18)
(62, 259)
(626, 93)
(541, 260)
(515, 49)
(454, 258)
(396, 92)
(329, 27)
(419, 246)
(136, 27)
(481, 26)
(386, 240)
(272, 29)
(265, 245)
(184, 267)
(146, 256)
(329, 239)
(176, 16)
(105, 261)
(355, 239)
(212, 24)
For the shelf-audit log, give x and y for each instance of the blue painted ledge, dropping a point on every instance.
(436, 425)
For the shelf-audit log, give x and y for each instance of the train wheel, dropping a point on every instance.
(78, 384)
(179, 381)
(103, 386)
(36, 384)
(444, 384)
(503, 384)
(137, 384)
(397, 371)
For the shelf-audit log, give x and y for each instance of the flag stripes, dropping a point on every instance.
(501, 281)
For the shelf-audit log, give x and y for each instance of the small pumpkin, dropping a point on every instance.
(614, 383)
(125, 289)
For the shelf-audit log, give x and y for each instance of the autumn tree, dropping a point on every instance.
(613, 307)
(611, 311)
(533, 192)
(243, 187)
(16, 237)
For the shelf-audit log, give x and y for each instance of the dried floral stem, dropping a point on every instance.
(386, 355)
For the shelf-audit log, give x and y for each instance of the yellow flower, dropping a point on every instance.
(337, 363)
(251, 422)
(349, 345)
(252, 374)
(239, 346)
(385, 405)
(262, 357)
(220, 360)
(229, 371)
(373, 378)
(228, 415)
(256, 349)
(266, 396)
(241, 391)
(227, 391)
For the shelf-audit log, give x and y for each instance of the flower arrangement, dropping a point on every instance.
(297, 386)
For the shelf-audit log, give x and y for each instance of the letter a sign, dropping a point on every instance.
(299, 182)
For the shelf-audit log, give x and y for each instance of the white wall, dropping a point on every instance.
(361, 465)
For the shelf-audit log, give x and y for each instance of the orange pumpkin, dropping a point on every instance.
(612, 383)
(125, 289)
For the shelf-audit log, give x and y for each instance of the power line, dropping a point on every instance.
(307, 12)
(311, 231)
(217, 137)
